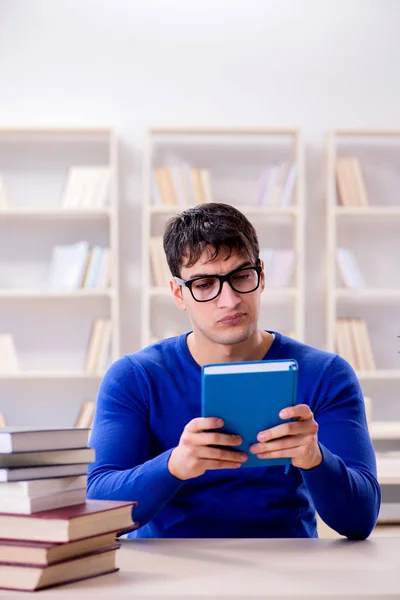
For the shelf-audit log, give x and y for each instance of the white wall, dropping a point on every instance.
(133, 63)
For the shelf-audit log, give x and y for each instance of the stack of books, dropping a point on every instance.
(49, 533)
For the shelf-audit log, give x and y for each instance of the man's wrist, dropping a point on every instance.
(317, 460)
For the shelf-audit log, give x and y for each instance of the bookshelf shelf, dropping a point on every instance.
(234, 158)
(385, 374)
(29, 375)
(288, 211)
(59, 221)
(370, 211)
(54, 213)
(368, 294)
(384, 430)
(55, 295)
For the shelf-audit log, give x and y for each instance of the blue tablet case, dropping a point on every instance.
(248, 396)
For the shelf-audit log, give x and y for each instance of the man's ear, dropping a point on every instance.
(262, 277)
(176, 291)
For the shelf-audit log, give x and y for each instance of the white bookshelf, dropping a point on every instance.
(371, 232)
(234, 158)
(51, 328)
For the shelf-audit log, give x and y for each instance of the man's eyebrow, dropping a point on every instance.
(241, 266)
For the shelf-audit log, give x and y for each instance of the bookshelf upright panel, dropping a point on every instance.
(363, 282)
(59, 269)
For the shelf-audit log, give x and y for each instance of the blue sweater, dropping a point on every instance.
(146, 399)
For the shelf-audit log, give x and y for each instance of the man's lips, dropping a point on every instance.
(231, 319)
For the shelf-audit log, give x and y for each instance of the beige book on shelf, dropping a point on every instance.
(8, 354)
(206, 185)
(3, 422)
(184, 173)
(172, 193)
(359, 181)
(4, 201)
(159, 264)
(87, 266)
(164, 187)
(344, 343)
(94, 345)
(345, 179)
(358, 349)
(197, 186)
(365, 342)
(85, 417)
(104, 347)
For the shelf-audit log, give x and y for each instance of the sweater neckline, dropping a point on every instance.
(271, 354)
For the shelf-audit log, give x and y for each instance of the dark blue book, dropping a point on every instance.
(248, 396)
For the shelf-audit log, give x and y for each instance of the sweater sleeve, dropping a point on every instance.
(124, 468)
(344, 487)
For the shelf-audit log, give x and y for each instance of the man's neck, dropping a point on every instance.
(205, 351)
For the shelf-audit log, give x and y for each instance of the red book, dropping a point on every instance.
(69, 523)
(31, 577)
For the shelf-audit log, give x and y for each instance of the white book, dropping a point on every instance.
(87, 186)
(73, 274)
(29, 505)
(103, 267)
(42, 458)
(348, 269)
(180, 192)
(94, 345)
(40, 487)
(23, 473)
(92, 274)
(8, 354)
(104, 346)
(4, 200)
(270, 185)
(281, 270)
(28, 439)
(290, 184)
(261, 184)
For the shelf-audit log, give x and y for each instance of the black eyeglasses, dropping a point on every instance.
(243, 280)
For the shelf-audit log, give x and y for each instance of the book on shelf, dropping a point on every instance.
(33, 577)
(99, 346)
(4, 200)
(350, 182)
(159, 265)
(86, 414)
(87, 187)
(276, 184)
(353, 343)
(181, 185)
(74, 266)
(94, 517)
(28, 439)
(279, 266)
(8, 354)
(348, 269)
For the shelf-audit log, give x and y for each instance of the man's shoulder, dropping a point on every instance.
(157, 354)
(306, 354)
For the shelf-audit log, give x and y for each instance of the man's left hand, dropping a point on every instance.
(297, 440)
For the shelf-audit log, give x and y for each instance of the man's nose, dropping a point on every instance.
(228, 297)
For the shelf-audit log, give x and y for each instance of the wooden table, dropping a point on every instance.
(244, 568)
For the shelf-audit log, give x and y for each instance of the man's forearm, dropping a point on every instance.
(347, 499)
(151, 485)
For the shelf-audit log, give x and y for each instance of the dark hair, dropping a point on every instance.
(212, 226)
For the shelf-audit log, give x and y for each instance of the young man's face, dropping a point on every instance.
(232, 317)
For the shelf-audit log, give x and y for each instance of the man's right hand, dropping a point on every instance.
(193, 456)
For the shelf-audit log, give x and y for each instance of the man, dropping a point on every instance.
(152, 446)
